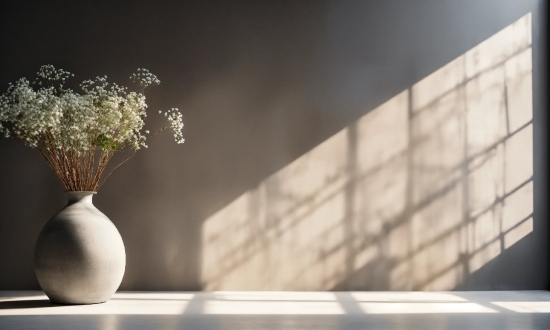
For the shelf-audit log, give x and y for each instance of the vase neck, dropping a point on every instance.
(80, 196)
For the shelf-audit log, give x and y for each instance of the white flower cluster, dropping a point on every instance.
(175, 119)
(145, 78)
(26, 114)
(105, 116)
(118, 115)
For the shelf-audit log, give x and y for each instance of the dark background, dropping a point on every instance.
(259, 83)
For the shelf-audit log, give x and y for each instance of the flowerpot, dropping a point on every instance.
(79, 256)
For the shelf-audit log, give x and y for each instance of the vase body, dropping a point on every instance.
(79, 256)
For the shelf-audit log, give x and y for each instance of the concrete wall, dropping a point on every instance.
(330, 145)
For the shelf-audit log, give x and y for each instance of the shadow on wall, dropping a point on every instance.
(416, 195)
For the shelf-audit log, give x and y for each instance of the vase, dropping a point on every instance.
(79, 256)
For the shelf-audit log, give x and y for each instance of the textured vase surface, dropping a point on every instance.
(79, 256)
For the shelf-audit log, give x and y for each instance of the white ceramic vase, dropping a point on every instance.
(79, 256)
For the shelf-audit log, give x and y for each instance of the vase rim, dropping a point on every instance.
(80, 191)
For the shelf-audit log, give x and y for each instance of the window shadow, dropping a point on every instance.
(418, 194)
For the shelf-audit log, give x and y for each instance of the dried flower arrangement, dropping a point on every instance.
(78, 134)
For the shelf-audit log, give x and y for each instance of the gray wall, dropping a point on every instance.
(330, 145)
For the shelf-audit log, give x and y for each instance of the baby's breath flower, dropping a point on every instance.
(175, 119)
(105, 116)
(145, 78)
